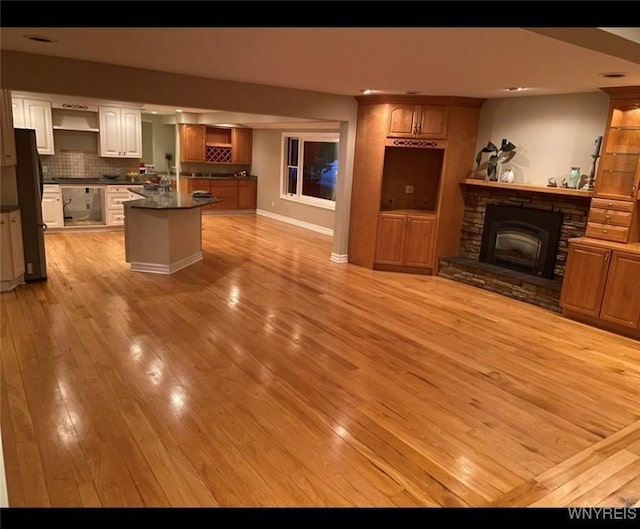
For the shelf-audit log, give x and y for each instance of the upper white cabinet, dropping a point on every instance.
(120, 132)
(35, 114)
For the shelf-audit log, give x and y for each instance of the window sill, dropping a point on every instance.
(318, 203)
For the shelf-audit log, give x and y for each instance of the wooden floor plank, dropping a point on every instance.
(267, 375)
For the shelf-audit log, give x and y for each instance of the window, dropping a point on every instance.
(311, 168)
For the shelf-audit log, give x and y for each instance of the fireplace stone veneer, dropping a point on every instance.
(467, 267)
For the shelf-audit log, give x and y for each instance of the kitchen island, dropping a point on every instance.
(163, 231)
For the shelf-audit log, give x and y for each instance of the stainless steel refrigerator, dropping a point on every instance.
(30, 187)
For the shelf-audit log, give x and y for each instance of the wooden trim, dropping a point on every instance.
(405, 269)
(633, 248)
(622, 92)
(528, 187)
(377, 99)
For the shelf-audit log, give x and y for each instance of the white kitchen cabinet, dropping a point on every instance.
(35, 114)
(116, 197)
(120, 132)
(52, 209)
(8, 141)
(12, 255)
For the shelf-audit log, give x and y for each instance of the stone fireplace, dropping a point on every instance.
(514, 239)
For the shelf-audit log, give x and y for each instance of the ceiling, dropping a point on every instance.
(473, 62)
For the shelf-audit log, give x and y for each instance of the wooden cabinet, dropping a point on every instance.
(602, 281)
(12, 255)
(613, 214)
(621, 301)
(7, 140)
(405, 239)
(120, 132)
(418, 121)
(35, 114)
(192, 141)
(395, 172)
(227, 190)
(206, 144)
(247, 194)
(235, 194)
(52, 210)
(241, 144)
(585, 277)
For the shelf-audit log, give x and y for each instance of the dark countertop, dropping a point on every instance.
(218, 177)
(102, 181)
(8, 208)
(169, 200)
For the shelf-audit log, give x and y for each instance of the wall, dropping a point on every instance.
(551, 133)
(266, 160)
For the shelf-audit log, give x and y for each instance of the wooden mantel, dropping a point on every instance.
(528, 187)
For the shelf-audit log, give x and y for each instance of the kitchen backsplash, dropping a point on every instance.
(76, 164)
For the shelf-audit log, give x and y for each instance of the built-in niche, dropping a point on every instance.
(411, 178)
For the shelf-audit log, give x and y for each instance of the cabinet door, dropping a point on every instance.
(192, 143)
(418, 249)
(17, 106)
(241, 145)
(391, 238)
(12, 255)
(17, 250)
(227, 191)
(584, 278)
(52, 214)
(8, 141)
(431, 121)
(247, 198)
(402, 120)
(131, 130)
(618, 167)
(37, 115)
(621, 302)
(110, 133)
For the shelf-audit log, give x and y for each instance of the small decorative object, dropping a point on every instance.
(589, 185)
(499, 155)
(564, 183)
(574, 178)
(551, 182)
(508, 176)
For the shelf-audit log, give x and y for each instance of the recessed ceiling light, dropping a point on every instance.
(178, 110)
(411, 93)
(516, 88)
(39, 38)
(613, 75)
(153, 112)
(367, 91)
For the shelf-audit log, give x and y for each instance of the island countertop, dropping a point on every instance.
(168, 200)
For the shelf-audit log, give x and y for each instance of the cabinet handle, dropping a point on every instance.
(633, 190)
(604, 231)
(607, 217)
(609, 204)
(606, 257)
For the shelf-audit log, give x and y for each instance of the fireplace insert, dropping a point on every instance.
(522, 239)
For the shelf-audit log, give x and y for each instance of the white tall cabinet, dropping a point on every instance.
(120, 132)
(35, 114)
(12, 253)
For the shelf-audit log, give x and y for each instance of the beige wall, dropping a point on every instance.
(266, 160)
(551, 133)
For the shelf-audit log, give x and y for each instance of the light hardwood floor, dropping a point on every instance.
(268, 375)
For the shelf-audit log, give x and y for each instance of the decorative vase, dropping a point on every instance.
(574, 178)
(508, 176)
(493, 172)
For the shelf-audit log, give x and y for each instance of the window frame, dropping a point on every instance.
(329, 137)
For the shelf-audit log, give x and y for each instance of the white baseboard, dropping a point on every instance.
(295, 222)
(339, 258)
(154, 268)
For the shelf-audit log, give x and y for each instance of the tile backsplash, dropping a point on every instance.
(77, 157)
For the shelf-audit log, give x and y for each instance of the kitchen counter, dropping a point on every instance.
(218, 177)
(163, 231)
(94, 181)
(170, 200)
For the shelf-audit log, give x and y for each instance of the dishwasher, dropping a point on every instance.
(83, 205)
